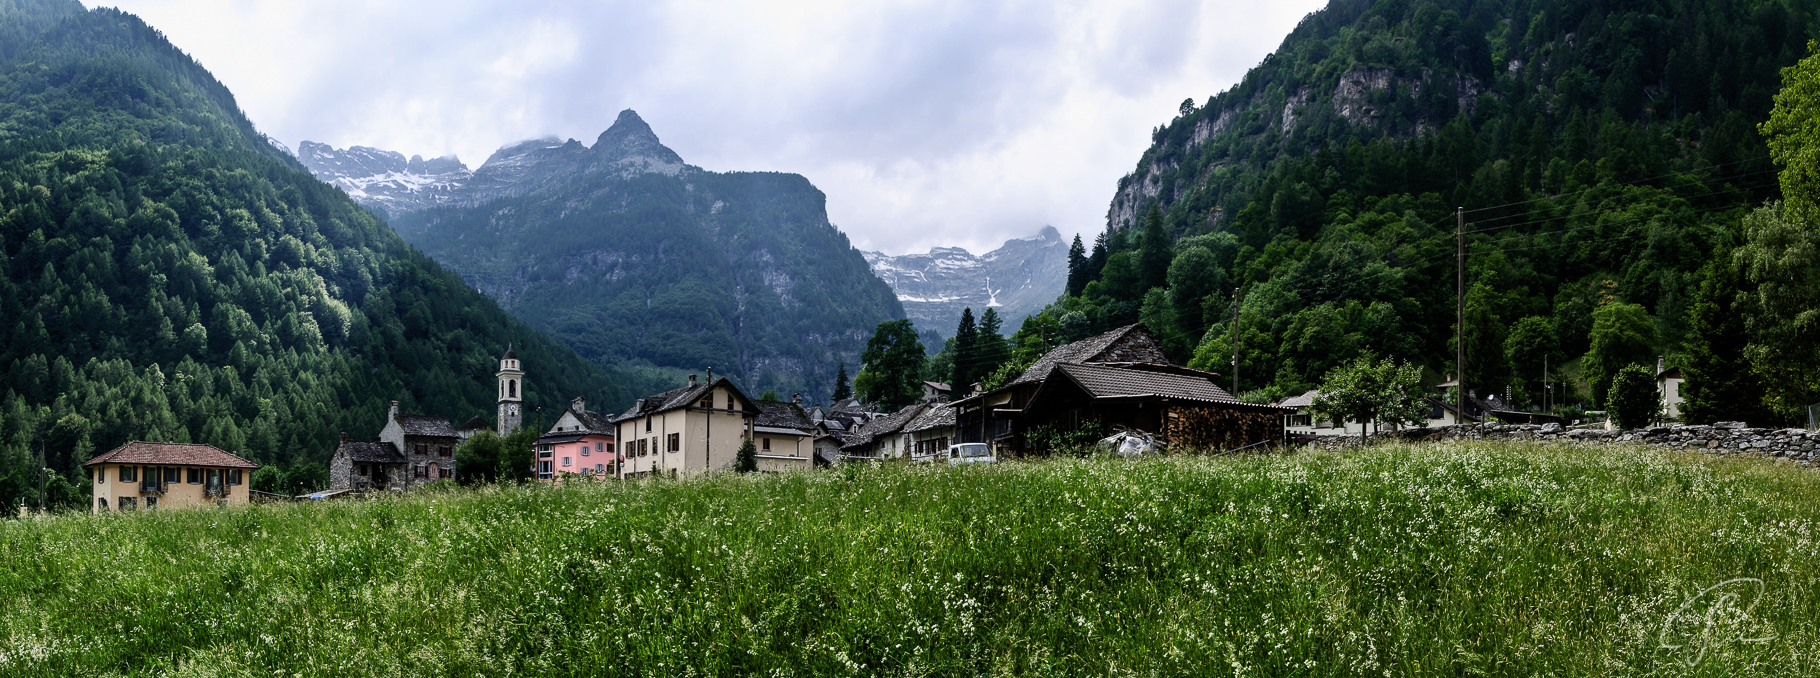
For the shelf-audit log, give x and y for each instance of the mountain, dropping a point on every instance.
(1601, 152)
(383, 179)
(169, 274)
(633, 257)
(1019, 278)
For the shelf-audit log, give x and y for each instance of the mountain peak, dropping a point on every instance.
(630, 147)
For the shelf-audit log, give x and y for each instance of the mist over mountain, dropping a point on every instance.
(1018, 279)
(632, 256)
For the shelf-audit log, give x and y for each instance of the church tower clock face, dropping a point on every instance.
(512, 408)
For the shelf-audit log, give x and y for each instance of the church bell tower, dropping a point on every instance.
(511, 393)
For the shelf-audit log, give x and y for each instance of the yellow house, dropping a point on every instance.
(690, 430)
(164, 475)
(783, 436)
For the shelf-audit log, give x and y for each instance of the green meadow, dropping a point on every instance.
(1447, 560)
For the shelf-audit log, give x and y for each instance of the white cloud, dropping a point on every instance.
(926, 122)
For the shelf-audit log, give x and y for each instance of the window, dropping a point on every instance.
(129, 474)
(128, 503)
(675, 442)
(641, 446)
(195, 476)
(233, 476)
(173, 474)
(584, 449)
(445, 451)
(629, 449)
(600, 468)
(418, 471)
(647, 424)
(151, 502)
(565, 462)
(101, 503)
(599, 447)
(707, 403)
(448, 473)
(767, 446)
(101, 476)
(543, 469)
(512, 388)
(421, 448)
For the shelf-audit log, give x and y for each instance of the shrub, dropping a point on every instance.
(1634, 399)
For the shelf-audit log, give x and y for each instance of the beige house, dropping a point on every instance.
(165, 475)
(784, 437)
(1668, 382)
(691, 430)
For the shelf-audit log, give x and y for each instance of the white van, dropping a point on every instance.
(971, 453)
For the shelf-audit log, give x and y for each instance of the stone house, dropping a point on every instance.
(690, 430)
(168, 475)
(932, 431)
(427, 444)
(580, 442)
(884, 437)
(362, 466)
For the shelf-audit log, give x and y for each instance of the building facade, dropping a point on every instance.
(427, 444)
(687, 431)
(364, 466)
(580, 443)
(168, 475)
(783, 436)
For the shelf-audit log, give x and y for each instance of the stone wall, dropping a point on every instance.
(1725, 438)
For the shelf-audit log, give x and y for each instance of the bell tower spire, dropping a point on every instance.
(511, 392)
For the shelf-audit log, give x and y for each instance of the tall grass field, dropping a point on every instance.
(1491, 559)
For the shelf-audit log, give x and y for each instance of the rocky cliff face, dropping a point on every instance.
(1017, 279)
(631, 256)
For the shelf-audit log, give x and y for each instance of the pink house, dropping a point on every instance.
(580, 443)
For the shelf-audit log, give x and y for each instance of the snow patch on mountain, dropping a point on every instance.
(1017, 279)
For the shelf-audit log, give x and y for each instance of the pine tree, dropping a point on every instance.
(842, 389)
(990, 349)
(1154, 252)
(747, 459)
(1096, 261)
(1721, 386)
(966, 353)
(1077, 267)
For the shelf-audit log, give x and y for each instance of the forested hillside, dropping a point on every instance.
(169, 275)
(632, 257)
(1604, 152)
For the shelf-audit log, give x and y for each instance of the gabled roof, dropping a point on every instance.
(1105, 381)
(474, 424)
(884, 426)
(782, 415)
(677, 398)
(1133, 342)
(1304, 400)
(371, 453)
(935, 417)
(171, 454)
(425, 425)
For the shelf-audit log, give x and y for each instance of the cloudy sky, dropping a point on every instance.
(926, 122)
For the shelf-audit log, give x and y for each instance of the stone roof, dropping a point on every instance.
(884, 426)
(1131, 344)
(782, 415)
(475, 424)
(425, 425)
(171, 454)
(935, 417)
(1304, 400)
(674, 398)
(1107, 381)
(372, 453)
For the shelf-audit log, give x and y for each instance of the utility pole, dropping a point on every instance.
(42, 469)
(1235, 342)
(1545, 389)
(1460, 306)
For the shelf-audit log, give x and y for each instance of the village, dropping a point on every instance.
(1116, 382)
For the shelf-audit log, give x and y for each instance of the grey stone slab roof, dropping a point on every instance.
(1138, 344)
(884, 426)
(782, 415)
(676, 398)
(1104, 381)
(937, 416)
(1304, 400)
(425, 425)
(372, 453)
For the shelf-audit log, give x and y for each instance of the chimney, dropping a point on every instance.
(797, 398)
(691, 380)
(580, 405)
(640, 407)
(393, 413)
(344, 437)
